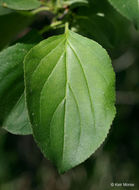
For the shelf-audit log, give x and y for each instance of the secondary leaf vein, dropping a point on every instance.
(92, 109)
(46, 57)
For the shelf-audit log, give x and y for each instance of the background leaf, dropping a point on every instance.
(17, 121)
(95, 27)
(20, 4)
(69, 85)
(72, 3)
(128, 8)
(11, 89)
(104, 24)
(4, 11)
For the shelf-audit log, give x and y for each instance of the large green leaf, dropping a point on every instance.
(128, 8)
(20, 4)
(13, 114)
(70, 97)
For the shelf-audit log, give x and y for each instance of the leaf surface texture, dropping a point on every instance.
(70, 97)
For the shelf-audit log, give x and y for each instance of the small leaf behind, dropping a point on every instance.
(17, 121)
(4, 11)
(128, 8)
(20, 4)
(13, 113)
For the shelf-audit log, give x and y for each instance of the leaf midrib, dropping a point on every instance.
(67, 43)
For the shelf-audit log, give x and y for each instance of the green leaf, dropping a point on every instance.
(20, 4)
(4, 11)
(12, 88)
(128, 8)
(17, 121)
(73, 3)
(70, 97)
(103, 23)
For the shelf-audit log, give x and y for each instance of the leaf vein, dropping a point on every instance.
(46, 84)
(74, 97)
(65, 102)
(51, 73)
(92, 109)
(40, 63)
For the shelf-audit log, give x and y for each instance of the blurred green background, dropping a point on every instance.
(23, 167)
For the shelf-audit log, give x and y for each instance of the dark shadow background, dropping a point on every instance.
(23, 167)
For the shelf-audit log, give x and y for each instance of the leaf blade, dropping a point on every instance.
(17, 122)
(11, 89)
(4, 11)
(68, 100)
